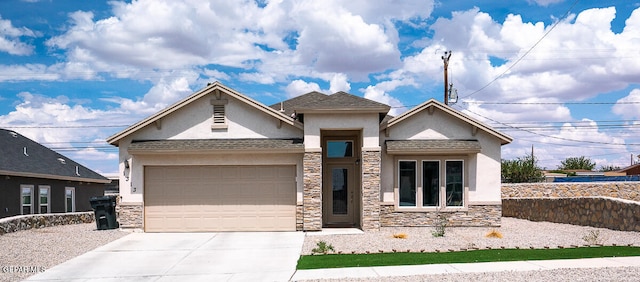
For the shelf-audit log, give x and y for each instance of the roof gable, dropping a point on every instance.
(22, 156)
(432, 104)
(211, 88)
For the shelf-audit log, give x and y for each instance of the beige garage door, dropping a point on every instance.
(219, 198)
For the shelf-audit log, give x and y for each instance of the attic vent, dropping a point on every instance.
(24, 151)
(77, 171)
(218, 114)
(13, 134)
(62, 161)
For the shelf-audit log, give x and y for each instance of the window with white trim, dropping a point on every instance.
(44, 199)
(26, 199)
(70, 199)
(430, 183)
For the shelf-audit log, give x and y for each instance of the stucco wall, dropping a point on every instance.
(315, 123)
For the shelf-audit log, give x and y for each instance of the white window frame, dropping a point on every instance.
(48, 204)
(464, 192)
(415, 180)
(22, 204)
(442, 161)
(73, 199)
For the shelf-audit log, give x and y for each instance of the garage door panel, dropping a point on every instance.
(220, 198)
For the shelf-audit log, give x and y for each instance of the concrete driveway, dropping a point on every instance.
(232, 256)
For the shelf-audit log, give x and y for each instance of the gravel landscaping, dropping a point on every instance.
(47, 247)
(40, 249)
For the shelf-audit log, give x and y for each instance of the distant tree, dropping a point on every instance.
(581, 162)
(609, 168)
(521, 170)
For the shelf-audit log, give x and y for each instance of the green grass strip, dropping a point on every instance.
(386, 259)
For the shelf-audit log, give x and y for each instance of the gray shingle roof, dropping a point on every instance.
(337, 101)
(21, 156)
(432, 146)
(292, 145)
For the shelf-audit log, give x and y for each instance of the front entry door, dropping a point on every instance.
(341, 179)
(339, 195)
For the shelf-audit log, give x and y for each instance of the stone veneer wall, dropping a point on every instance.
(25, 222)
(475, 215)
(622, 190)
(312, 191)
(299, 217)
(370, 190)
(129, 215)
(587, 211)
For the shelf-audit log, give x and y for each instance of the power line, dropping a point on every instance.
(526, 53)
(556, 137)
(547, 103)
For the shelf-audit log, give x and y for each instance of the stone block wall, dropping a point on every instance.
(475, 215)
(602, 212)
(312, 191)
(299, 217)
(622, 190)
(370, 190)
(130, 215)
(25, 222)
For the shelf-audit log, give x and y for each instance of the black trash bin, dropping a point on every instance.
(104, 208)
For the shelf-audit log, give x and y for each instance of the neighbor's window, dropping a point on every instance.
(424, 183)
(407, 177)
(339, 149)
(26, 199)
(44, 199)
(70, 199)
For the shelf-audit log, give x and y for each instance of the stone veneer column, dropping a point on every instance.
(129, 215)
(370, 190)
(312, 191)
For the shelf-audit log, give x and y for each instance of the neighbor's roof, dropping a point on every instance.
(439, 146)
(218, 145)
(216, 86)
(337, 102)
(21, 156)
(505, 139)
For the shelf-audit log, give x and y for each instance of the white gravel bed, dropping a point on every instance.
(40, 249)
(621, 274)
(516, 233)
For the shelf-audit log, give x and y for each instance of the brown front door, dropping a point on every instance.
(341, 181)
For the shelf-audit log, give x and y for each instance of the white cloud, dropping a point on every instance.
(10, 39)
(629, 106)
(544, 3)
(378, 94)
(299, 87)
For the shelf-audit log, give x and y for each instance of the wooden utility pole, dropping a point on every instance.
(445, 59)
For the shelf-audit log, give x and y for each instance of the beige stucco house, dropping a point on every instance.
(221, 161)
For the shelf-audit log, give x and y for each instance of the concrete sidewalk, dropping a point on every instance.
(454, 268)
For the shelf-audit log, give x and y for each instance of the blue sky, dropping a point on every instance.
(562, 76)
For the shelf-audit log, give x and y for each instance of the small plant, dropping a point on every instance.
(400, 236)
(494, 234)
(440, 225)
(593, 237)
(322, 248)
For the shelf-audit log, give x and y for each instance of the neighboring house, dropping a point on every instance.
(221, 161)
(630, 170)
(36, 180)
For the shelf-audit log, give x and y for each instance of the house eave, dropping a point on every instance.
(342, 110)
(53, 177)
(217, 152)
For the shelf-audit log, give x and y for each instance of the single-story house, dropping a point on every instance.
(221, 161)
(37, 180)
